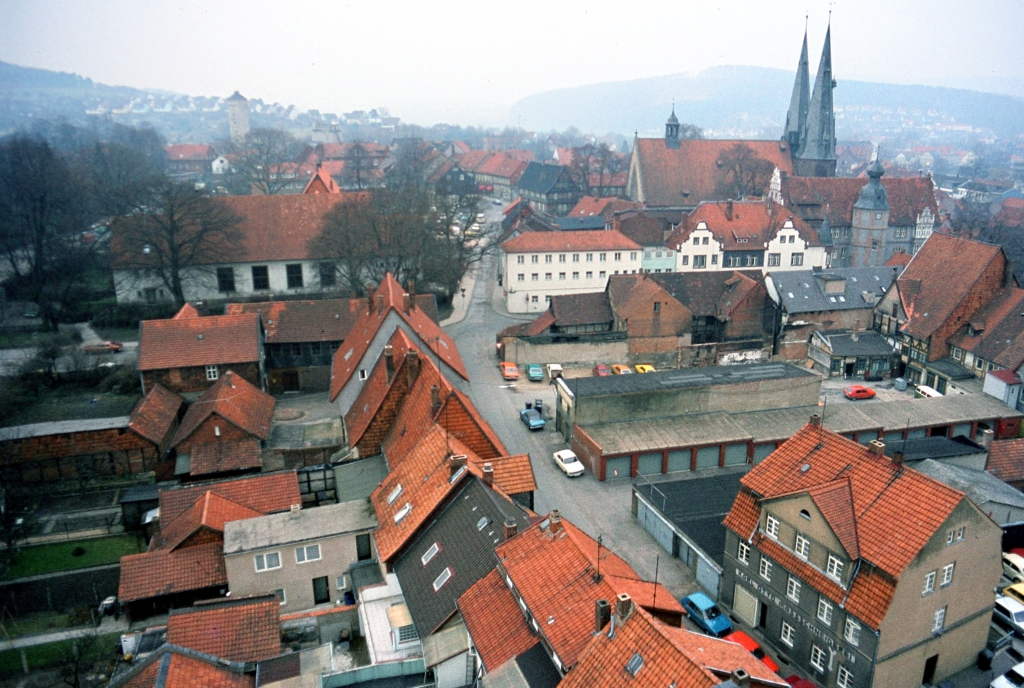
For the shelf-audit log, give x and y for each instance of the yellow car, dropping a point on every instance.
(619, 369)
(1016, 591)
(644, 368)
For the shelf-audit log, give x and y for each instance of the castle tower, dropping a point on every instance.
(672, 130)
(870, 221)
(796, 118)
(238, 116)
(816, 155)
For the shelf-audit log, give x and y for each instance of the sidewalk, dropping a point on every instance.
(107, 625)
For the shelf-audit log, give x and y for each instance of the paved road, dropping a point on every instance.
(11, 360)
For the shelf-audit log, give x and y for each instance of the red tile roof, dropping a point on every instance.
(473, 159)
(430, 334)
(998, 330)
(929, 302)
(814, 198)
(155, 413)
(166, 572)
(172, 668)
(502, 165)
(246, 630)
(235, 400)
(183, 342)
(512, 474)
(752, 226)
(265, 493)
(583, 240)
(1006, 460)
(588, 206)
(220, 457)
(899, 259)
(495, 622)
(210, 512)
(689, 174)
(377, 386)
(321, 183)
(190, 151)
(835, 501)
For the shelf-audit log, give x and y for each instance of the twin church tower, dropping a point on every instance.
(811, 121)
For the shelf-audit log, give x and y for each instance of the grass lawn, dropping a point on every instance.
(17, 340)
(58, 556)
(118, 334)
(36, 623)
(54, 654)
(72, 401)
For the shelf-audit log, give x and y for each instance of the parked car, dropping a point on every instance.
(568, 462)
(797, 682)
(534, 373)
(858, 392)
(1013, 567)
(1016, 591)
(508, 370)
(706, 614)
(1010, 612)
(103, 348)
(601, 370)
(532, 419)
(554, 370)
(751, 646)
(1014, 678)
(619, 369)
(644, 368)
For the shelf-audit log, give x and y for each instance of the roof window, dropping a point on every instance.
(394, 494)
(429, 555)
(441, 580)
(635, 664)
(482, 523)
(403, 512)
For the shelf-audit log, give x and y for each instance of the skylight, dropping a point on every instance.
(456, 475)
(445, 576)
(394, 494)
(482, 523)
(403, 512)
(635, 664)
(430, 554)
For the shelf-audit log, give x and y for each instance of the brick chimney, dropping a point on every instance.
(406, 302)
(741, 678)
(511, 528)
(728, 210)
(602, 615)
(380, 302)
(412, 293)
(489, 474)
(412, 365)
(456, 461)
(877, 447)
(389, 361)
(815, 420)
(623, 608)
(369, 296)
(555, 518)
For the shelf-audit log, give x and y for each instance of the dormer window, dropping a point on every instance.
(834, 568)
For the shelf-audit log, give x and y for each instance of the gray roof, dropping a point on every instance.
(358, 479)
(803, 291)
(306, 524)
(844, 343)
(62, 427)
(445, 644)
(680, 379)
(683, 431)
(947, 410)
(540, 178)
(464, 546)
(950, 369)
(588, 222)
(980, 486)
(934, 448)
(328, 433)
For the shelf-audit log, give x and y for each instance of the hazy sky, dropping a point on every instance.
(467, 62)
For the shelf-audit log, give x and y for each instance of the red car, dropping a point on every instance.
(858, 392)
(797, 682)
(509, 370)
(103, 348)
(751, 646)
(601, 370)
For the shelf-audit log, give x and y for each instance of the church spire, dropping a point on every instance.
(818, 143)
(796, 118)
(672, 129)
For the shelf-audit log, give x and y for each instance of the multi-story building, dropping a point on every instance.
(548, 188)
(860, 570)
(539, 265)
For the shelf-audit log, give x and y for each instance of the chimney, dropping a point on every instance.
(380, 302)
(856, 331)
(555, 518)
(412, 293)
(877, 447)
(985, 438)
(815, 420)
(369, 296)
(602, 615)
(897, 458)
(435, 399)
(456, 461)
(489, 474)
(728, 210)
(412, 365)
(389, 361)
(623, 607)
(511, 528)
(406, 302)
(741, 678)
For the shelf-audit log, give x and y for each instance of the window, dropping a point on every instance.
(547, 275)
(657, 306)
(547, 258)
(296, 351)
(771, 526)
(307, 553)
(632, 255)
(696, 241)
(929, 583)
(602, 274)
(938, 620)
(824, 611)
(957, 353)
(534, 259)
(685, 260)
(793, 589)
(407, 634)
(212, 373)
(590, 257)
(618, 256)
(341, 582)
(561, 275)
(445, 576)
(265, 562)
(280, 596)
(900, 232)
(520, 277)
(575, 257)
(328, 275)
(533, 299)
(602, 257)
(852, 632)
(363, 549)
(403, 512)
(576, 274)
(817, 658)
(705, 241)
(796, 259)
(294, 273)
(960, 533)
(947, 575)
(714, 259)
(844, 679)
(520, 260)
(803, 546)
(699, 262)
(834, 568)
(590, 274)
(786, 635)
(765, 569)
(743, 553)
(225, 279)
(260, 278)
(561, 257)
(534, 276)
(363, 374)
(430, 553)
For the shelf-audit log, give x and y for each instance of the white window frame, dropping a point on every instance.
(771, 527)
(263, 558)
(764, 569)
(844, 679)
(793, 588)
(212, 373)
(938, 620)
(802, 547)
(818, 658)
(786, 634)
(947, 574)
(429, 555)
(443, 578)
(960, 533)
(341, 582)
(851, 633)
(834, 568)
(283, 597)
(305, 550)
(395, 494)
(824, 611)
(929, 583)
(743, 553)
(949, 537)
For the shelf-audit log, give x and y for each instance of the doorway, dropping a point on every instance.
(762, 616)
(290, 380)
(848, 372)
(321, 590)
(929, 669)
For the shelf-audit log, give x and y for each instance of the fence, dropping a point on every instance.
(407, 667)
(62, 591)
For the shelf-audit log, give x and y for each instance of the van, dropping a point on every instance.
(926, 392)
(554, 370)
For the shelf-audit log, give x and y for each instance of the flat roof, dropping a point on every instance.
(682, 379)
(327, 433)
(950, 409)
(62, 427)
(934, 448)
(781, 424)
(655, 435)
(358, 479)
(306, 524)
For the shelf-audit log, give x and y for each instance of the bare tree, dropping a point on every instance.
(262, 159)
(358, 164)
(182, 232)
(579, 166)
(742, 173)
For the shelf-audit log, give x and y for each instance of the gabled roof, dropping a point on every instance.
(641, 228)
(234, 399)
(1006, 460)
(471, 160)
(186, 341)
(220, 457)
(177, 667)
(166, 572)
(633, 294)
(199, 152)
(502, 165)
(571, 310)
(265, 493)
(743, 225)
(929, 302)
(495, 622)
(321, 183)
(818, 198)
(210, 512)
(155, 413)
(582, 240)
(689, 174)
(804, 291)
(666, 656)
(835, 501)
(429, 333)
(378, 385)
(239, 630)
(996, 330)
(540, 178)
(717, 293)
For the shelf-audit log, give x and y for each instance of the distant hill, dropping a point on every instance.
(753, 100)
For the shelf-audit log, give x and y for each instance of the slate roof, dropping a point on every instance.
(265, 492)
(818, 198)
(584, 240)
(467, 531)
(680, 379)
(166, 572)
(718, 293)
(998, 330)
(572, 310)
(1006, 460)
(186, 341)
(245, 630)
(540, 178)
(221, 457)
(641, 228)
(570, 224)
(934, 448)
(687, 175)
(752, 225)
(982, 487)
(178, 667)
(60, 427)
(155, 413)
(880, 493)
(867, 343)
(803, 291)
(494, 621)
(236, 400)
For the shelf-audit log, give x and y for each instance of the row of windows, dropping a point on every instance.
(535, 277)
(818, 658)
(261, 277)
(774, 260)
(601, 257)
(929, 578)
(802, 547)
(272, 560)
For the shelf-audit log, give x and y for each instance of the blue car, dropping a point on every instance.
(531, 419)
(706, 614)
(534, 373)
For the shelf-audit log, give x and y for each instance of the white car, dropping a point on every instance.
(1010, 612)
(1013, 567)
(567, 461)
(1014, 678)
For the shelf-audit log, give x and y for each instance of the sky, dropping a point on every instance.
(468, 62)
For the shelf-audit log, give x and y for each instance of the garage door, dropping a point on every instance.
(654, 524)
(963, 429)
(648, 464)
(762, 451)
(617, 467)
(735, 454)
(895, 436)
(744, 604)
(707, 457)
(916, 434)
(707, 577)
(679, 460)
